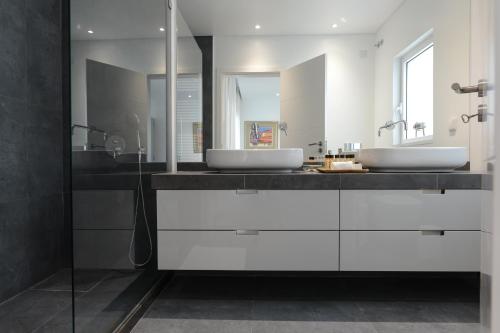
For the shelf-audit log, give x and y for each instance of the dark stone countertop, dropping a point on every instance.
(315, 181)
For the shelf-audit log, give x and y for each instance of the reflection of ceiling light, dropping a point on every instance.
(189, 96)
(90, 32)
(78, 26)
(335, 26)
(277, 94)
(343, 20)
(162, 29)
(257, 27)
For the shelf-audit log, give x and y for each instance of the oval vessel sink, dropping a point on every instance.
(255, 160)
(414, 159)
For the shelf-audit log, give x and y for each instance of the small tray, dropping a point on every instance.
(321, 170)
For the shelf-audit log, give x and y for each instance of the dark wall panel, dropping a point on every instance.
(31, 143)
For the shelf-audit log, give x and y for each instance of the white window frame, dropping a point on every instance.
(421, 45)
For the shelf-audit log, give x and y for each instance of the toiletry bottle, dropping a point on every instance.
(329, 158)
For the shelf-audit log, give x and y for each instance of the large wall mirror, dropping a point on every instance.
(119, 99)
(318, 74)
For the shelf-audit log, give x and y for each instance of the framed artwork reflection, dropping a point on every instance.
(261, 134)
(197, 138)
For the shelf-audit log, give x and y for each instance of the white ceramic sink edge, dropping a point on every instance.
(418, 159)
(255, 159)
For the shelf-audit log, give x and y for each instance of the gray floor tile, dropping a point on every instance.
(289, 327)
(409, 312)
(315, 327)
(433, 312)
(32, 309)
(338, 311)
(152, 325)
(352, 327)
(284, 311)
(84, 280)
(425, 328)
(460, 312)
(341, 307)
(200, 309)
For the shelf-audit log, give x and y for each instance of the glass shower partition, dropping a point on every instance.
(118, 139)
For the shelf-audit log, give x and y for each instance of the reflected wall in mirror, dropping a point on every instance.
(113, 55)
(119, 83)
(189, 95)
(388, 60)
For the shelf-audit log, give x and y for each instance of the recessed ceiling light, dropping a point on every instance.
(343, 20)
(257, 27)
(90, 32)
(277, 94)
(162, 29)
(335, 26)
(189, 96)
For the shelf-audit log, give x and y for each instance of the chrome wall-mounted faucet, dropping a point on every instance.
(390, 125)
(89, 129)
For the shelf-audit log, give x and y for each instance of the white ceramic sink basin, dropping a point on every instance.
(256, 160)
(421, 159)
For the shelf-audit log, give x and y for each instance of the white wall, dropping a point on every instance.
(450, 21)
(260, 108)
(350, 75)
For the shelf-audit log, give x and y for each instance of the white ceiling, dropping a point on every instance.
(120, 19)
(126, 19)
(252, 87)
(286, 17)
(117, 19)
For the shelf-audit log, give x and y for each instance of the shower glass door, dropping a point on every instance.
(116, 45)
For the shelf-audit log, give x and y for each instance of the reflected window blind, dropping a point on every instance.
(189, 118)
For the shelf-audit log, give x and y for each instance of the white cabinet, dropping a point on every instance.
(410, 210)
(457, 251)
(248, 209)
(410, 230)
(309, 230)
(264, 250)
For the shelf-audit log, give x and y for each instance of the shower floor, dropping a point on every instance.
(102, 299)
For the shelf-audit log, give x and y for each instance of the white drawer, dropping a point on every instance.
(267, 250)
(410, 210)
(458, 251)
(247, 209)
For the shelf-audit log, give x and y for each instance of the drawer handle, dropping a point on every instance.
(433, 232)
(434, 192)
(246, 192)
(247, 232)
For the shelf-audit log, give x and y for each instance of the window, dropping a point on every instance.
(416, 98)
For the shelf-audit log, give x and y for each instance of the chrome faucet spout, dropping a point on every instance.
(89, 129)
(390, 125)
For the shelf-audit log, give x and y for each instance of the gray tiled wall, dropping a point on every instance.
(31, 149)
(102, 228)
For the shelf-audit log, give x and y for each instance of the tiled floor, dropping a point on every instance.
(192, 304)
(103, 299)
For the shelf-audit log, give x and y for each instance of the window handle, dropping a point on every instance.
(481, 88)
